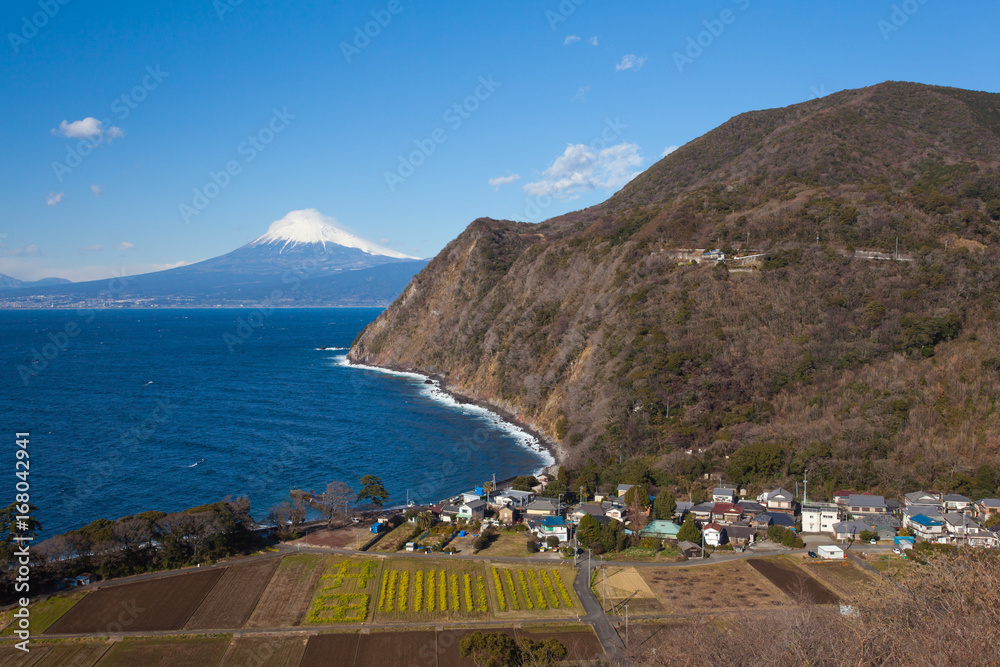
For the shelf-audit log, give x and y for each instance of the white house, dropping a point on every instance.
(471, 510)
(723, 494)
(955, 502)
(820, 517)
(925, 527)
(922, 500)
(987, 507)
(778, 500)
(830, 552)
(958, 525)
(714, 534)
(549, 526)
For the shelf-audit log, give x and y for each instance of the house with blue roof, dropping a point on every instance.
(924, 527)
(548, 526)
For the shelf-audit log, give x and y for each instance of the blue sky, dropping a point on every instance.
(559, 103)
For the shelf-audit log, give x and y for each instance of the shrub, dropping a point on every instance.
(385, 587)
(442, 591)
(481, 586)
(499, 588)
(552, 541)
(547, 583)
(431, 597)
(542, 604)
(562, 587)
(404, 589)
(418, 590)
(455, 606)
(524, 587)
(468, 592)
(510, 582)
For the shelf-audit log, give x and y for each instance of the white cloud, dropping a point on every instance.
(630, 61)
(31, 250)
(669, 149)
(581, 94)
(570, 39)
(125, 245)
(593, 40)
(97, 247)
(581, 168)
(87, 128)
(54, 198)
(33, 270)
(97, 189)
(497, 181)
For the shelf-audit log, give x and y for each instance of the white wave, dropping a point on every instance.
(434, 391)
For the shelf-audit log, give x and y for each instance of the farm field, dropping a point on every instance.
(234, 597)
(54, 654)
(321, 647)
(528, 592)
(395, 539)
(345, 591)
(623, 583)
(397, 648)
(411, 589)
(507, 543)
(286, 598)
(172, 651)
(696, 589)
(47, 612)
(793, 581)
(157, 604)
(265, 651)
(345, 537)
(843, 577)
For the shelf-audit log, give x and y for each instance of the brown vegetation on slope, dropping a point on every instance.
(586, 327)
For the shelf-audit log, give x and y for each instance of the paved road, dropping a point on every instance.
(595, 615)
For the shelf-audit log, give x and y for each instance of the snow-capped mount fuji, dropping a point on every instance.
(309, 226)
(304, 259)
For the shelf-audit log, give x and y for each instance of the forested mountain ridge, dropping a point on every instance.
(872, 374)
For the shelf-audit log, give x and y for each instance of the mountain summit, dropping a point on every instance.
(304, 259)
(309, 226)
(610, 331)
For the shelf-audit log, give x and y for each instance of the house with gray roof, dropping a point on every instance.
(955, 502)
(859, 504)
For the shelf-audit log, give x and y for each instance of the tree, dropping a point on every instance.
(544, 653)
(689, 530)
(372, 492)
(524, 483)
(335, 503)
(638, 494)
(281, 515)
(665, 505)
(9, 529)
(867, 535)
(489, 649)
(552, 541)
(756, 462)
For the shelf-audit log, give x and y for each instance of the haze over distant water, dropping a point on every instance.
(148, 409)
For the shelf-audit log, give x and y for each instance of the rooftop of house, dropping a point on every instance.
(956, 498)
(751, 506)
(684, 545)
(779, 519)
(661, 527)
(723, 491)
(866, 500)
(740, 531)
(922, 520)
(780, 494)
(985, 502)
(703, 507)
(726, 508)
(922, 496)
(593, 510)
(714, 526)
(683, 505)
(474, 504)
(544, 503)
(553, 521)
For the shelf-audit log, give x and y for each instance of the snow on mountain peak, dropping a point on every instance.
(310, 226)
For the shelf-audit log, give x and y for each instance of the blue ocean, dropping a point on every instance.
(166, 409)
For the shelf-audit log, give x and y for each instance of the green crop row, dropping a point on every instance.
(562, 588)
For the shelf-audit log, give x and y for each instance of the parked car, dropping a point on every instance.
(874, 541)
(896, 551)
(812, 554)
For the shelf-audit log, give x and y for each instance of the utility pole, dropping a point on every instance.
(805, 487)
(626, 625)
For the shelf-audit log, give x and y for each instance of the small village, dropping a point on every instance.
(728, 521)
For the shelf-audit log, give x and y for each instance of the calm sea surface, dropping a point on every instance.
(167, 409)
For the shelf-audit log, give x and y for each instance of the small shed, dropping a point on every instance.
(689, 549)
(411, 546)
(830, 552)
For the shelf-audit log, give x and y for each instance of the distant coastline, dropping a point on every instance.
(533, 440)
